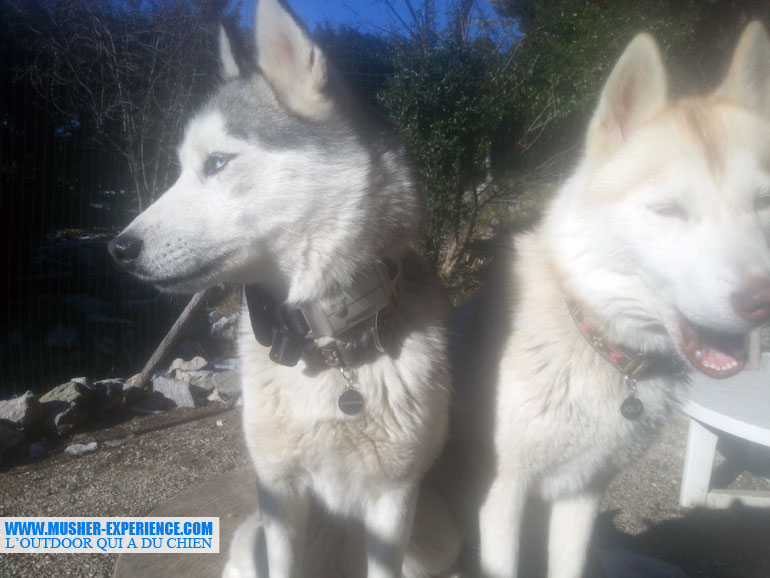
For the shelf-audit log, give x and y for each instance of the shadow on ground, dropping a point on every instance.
(733, 543)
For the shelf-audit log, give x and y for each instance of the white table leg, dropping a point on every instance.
(698, 463)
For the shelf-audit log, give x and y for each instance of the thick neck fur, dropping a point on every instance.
(331, 253)
(619, 303)
(552, 352)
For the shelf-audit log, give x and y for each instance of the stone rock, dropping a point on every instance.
(77, 390)
(109, 397)
(65, 406)
(81, 449)
(23, 410)
(144, 399)
(200, 395)
(133, 395)
(174, 390)
(10, 436)
(200, 379)
(225, 328)
(197, 363)
(151, 402)
(65, 419)
(227, 383)
(216, 397)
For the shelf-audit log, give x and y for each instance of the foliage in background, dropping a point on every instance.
(573, 45)
(127, 73)
(485, 104)
(95, 93)
(443, 99)
(489, 109)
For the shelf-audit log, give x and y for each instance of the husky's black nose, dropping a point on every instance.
(753, 302)
(125, 250)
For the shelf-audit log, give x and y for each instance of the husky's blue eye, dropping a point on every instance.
(215, 162)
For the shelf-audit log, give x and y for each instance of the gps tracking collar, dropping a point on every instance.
(290, 333)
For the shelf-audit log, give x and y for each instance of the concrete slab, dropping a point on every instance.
(231, 496)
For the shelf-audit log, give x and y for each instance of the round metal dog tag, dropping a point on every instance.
(631, 408)
(351, 402)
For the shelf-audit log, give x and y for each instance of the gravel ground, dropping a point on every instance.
(641, 511)
(172, 452)
(168, 453)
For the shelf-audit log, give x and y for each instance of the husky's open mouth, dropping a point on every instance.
(717, 355)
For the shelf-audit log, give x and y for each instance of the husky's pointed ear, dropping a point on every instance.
(748, 79)
(228, 66)
(293, 65)
(635, 91)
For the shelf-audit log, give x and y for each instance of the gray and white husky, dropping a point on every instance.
(289, 188)
(653, 258)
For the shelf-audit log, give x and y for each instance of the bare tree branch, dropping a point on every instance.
(129, 71)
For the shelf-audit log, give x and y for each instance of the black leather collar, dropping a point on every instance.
(285, 332)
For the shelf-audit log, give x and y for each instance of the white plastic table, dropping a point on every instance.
(738, 405)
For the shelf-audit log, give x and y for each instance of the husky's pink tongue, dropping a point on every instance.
(715, 355)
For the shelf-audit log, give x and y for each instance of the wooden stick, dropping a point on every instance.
(169, 339)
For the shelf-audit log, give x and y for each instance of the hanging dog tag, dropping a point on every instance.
(631, 408)
(350, 402)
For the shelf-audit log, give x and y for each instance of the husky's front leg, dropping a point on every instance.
(388, 523)
(284, 514)
(500, 520)
(247, 557)
(569, 533)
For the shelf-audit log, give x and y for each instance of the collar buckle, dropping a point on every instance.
(287, 347)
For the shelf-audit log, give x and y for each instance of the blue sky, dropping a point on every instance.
(369, 15)
(360, 13)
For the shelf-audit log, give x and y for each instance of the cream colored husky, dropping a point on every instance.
(654, 252)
